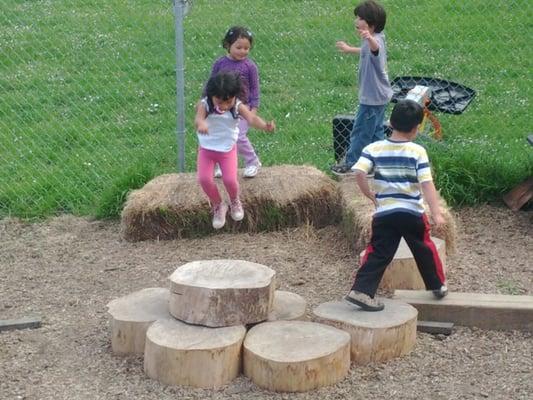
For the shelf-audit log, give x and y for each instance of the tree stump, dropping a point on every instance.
(295, 356)
(376, 336)
(287, 306)
(219, 293)
(180, 354)
(402, 272)
(131, 316)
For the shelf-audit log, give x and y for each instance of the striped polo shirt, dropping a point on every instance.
(399, 168)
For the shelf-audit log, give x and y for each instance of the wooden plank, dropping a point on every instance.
(22, 323)
(485, 311)
(444, 328)
(520, 195)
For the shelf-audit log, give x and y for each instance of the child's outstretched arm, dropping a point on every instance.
(255, 120)
(346, 48)
(200, 118)
(430, 194)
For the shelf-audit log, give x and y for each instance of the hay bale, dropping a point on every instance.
(357, 218)
(173, 205)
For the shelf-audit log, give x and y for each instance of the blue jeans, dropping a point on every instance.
(367, 128)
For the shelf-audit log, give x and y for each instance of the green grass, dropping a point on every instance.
(88, 105)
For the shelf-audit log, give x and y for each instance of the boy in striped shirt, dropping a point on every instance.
(402, 179)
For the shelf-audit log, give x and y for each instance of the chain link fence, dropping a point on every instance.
(88, 87)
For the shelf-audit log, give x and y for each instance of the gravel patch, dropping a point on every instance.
(67, 269)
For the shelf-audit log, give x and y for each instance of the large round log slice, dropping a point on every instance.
(222, 292)
(180, 354)
(402, 272)
(376, 336)
(295, 356)
(287, 306)
(131, 316)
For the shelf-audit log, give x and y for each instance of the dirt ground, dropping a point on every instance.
(67, 269)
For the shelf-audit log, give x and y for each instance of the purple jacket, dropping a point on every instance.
(249, 78)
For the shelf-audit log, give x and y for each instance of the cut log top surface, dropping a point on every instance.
(294, 341)
(287, 306)
(395, 313)
(466, 299)
(223, 274)
(404, 252)
(179, 335)
(144, 305)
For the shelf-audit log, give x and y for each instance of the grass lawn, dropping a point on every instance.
(88, 105)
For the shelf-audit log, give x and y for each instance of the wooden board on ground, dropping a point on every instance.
(222, 292)
(520, 195)
(433, 327)
(180, 354)
(21, 323)
(376, 336)
(295, 356)
(485, 311)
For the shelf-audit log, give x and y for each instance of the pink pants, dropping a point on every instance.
(228, 164)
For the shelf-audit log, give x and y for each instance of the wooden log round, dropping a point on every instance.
(295, 356)
(402, 272)
(180, 354)
(376, 336)
(131, 316)
(287, 306)
(219, 293)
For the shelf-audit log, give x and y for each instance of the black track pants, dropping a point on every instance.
(387, 231)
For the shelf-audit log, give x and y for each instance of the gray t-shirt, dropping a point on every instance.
(374, 85)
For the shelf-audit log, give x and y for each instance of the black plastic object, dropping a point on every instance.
(447, 97)
(342, 128)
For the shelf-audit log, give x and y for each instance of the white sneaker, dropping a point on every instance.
(219, 215)
(236, 210)
(218, 171)
(251, 170)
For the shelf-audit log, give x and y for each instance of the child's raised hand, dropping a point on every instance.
(364, 33)
(270, 126)
(342, 46)
(202, 127)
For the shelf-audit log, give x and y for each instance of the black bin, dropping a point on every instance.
(342, 126)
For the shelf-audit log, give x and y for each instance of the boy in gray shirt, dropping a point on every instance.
(374, 87)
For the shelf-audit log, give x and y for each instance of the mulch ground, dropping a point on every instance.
(67, 269)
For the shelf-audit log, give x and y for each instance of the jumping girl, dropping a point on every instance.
(217, 125)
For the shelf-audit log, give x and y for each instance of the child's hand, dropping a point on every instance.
(342, 46)
(270, 126)
(438, 221)
(364, 33)
(202, 127)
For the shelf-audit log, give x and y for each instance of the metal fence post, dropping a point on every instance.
(179, 14)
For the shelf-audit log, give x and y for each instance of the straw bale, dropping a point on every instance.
(173, 205)
(357, 218)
